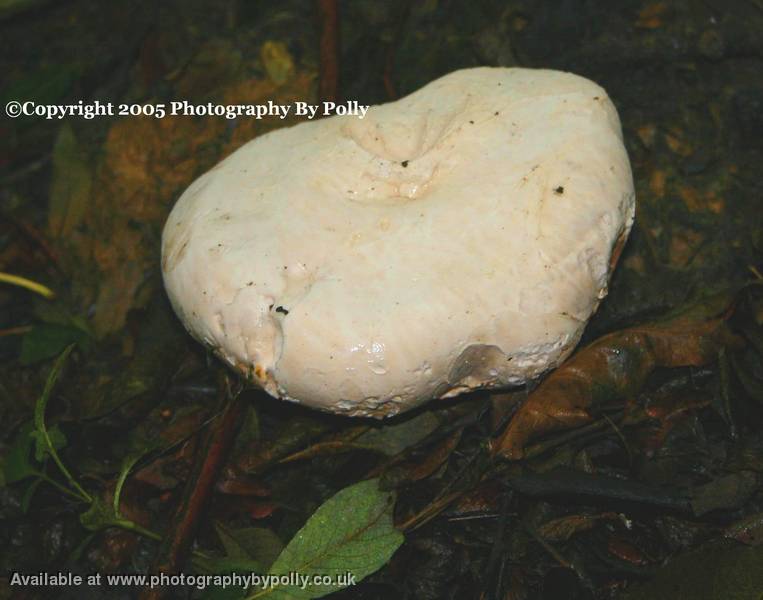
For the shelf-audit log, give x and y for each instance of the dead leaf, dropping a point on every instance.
(657, 183)
(684, 245)
(668, 409)
(563, 528)
(647, 133)
(422, 467)
(651, 16)
(676, 141)
(483, 499)
(145, 165)
(234, 483)
(614, 368)
(626, 551)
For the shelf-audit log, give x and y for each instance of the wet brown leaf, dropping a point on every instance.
(625, 551)
(422, 467)
(613, 369)
(651, 16)
(483, 499)
(563, 528)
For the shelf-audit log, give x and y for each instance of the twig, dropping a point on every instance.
(568, 482)
(25, 171)
(328, 87)
(430, 511)
(494, 569)
(20, 330)
(555, 554)
(176, 547)
(37, 237)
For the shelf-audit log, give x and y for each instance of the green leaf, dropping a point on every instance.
(46, 340)
(227, 593)
(42, 402)
(99, 515)
(72, 183)
(252, 543)
(41, 430)
(393, 439)
(26, 499)
(57, 439)
(140, 446)
(16, 464)
(46, 85)
(221, 566)
(352, 532)
(262, 544)
(233, 549)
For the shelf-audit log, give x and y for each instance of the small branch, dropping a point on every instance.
(174, 551)
(567, 482)
(38, 238)
(328, 87)
(563, 562)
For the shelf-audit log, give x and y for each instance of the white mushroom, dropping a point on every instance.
(458, 238)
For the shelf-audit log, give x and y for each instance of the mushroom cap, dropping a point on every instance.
(458, 238)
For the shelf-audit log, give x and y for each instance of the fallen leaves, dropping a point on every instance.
(108, 206)
(652, 15)
(562, 529)
(613, 369)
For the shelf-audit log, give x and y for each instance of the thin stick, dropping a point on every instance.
(176, 548)
(328, 87)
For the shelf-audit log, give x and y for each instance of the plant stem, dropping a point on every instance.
(28, 284)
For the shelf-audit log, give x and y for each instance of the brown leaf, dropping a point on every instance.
(262, 510)
(668, 409)
(563, 528)
(651, 16)
(626, 551)
(114, 222)
(614, 368)
(234, 483)
(483, 499)
(422, 467)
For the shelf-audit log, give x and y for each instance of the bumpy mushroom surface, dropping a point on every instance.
(458, 238)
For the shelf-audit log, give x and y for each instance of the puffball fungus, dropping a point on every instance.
(458, 238)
